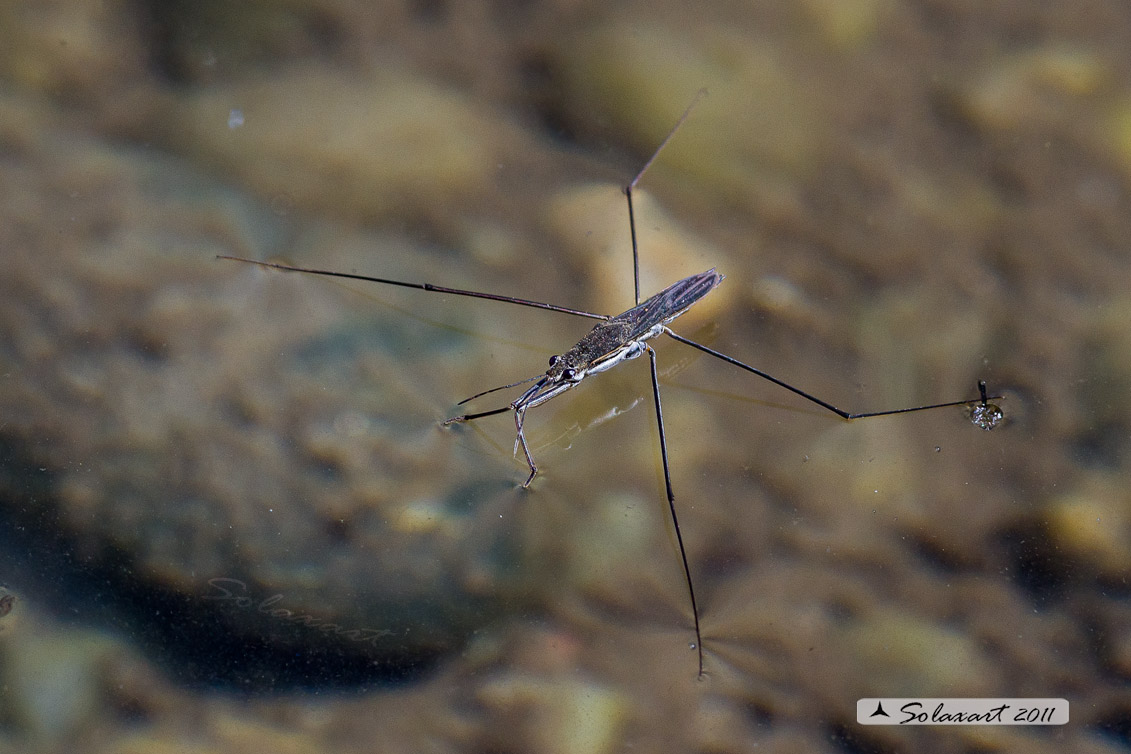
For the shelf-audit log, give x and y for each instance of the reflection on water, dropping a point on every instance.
(902, 203)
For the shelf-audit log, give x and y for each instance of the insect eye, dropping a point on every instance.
(554, 359)
(569, 373)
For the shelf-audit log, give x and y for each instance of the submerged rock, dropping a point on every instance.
(265, 464)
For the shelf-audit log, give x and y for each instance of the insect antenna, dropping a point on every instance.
(500, 387)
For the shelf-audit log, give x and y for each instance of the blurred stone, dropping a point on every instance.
(759, 127)
(847, 24)
(52, 679)
(1093, 522)
(907, 655)
(1032, 87)
(244, 451)
(364, 148)
(78, 50)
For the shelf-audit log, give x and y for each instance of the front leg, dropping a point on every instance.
(519, 417)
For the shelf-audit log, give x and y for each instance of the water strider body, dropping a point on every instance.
(617, 339)
(625, 336)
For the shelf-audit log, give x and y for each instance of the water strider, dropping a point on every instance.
(625, 336)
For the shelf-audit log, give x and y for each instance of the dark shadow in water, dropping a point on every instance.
(187, 636)
(1116, 724)
(851, 740)
(1039, 567)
